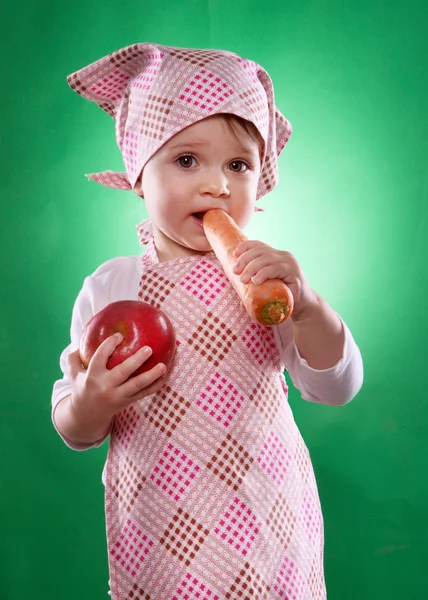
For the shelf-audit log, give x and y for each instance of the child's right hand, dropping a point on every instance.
(99, 393)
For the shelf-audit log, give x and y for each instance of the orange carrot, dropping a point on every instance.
(269, 303)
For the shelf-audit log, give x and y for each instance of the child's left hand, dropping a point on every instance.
(258, 262)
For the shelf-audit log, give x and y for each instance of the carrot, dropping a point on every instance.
(269, 303)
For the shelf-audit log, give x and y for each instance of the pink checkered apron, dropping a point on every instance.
(210, 491)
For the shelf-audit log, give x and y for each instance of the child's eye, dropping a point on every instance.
(239, 166)
(186, 161)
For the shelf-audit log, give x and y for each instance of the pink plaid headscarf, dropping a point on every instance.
(153, 92)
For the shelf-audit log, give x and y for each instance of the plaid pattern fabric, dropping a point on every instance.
(153, 92)
(210, 491)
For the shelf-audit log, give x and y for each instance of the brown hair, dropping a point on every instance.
(233, 121)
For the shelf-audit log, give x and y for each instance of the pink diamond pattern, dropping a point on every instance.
(250, 66)
(290, 584)
(239, 527)
(284, 387)
(193, 588)
(130, 146)
(145, 79)
(175, 472)
(311, 518)
(132, 548)
(220, 400)
(274, 458)
(206, 91)
(302, 458)
(127, 426)
(204, 282)
(111, 86)
(256, 339)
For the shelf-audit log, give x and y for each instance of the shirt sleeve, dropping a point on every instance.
(335, 386)
(114, 280)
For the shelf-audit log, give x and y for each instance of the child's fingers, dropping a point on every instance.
(258, 263)
(144, 382)
(150, 389)
(275, 271)
(103, 352)
(258, 249)
(74, 364)
(244, 246)
(122, 372)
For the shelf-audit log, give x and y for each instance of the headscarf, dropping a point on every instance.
(153, 92)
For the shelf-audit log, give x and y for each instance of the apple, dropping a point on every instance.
(141, 324)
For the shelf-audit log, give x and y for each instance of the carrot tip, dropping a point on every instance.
(274, 313)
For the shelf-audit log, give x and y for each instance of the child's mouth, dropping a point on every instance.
(198, 216)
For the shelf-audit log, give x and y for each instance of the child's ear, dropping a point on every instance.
(138, 188)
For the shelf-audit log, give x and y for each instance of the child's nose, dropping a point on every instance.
(214, 184)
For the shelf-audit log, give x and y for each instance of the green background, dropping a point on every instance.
(351, 206)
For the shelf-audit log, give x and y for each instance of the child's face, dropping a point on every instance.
(204, 166)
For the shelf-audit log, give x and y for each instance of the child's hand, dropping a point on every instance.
(101, 392)
(258, 262)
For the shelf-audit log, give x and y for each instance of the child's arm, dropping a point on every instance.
(319, 335)
(77, 430)
(336, 385)
(323, 359)
(98, 393)
(83, 421)
(317, 328)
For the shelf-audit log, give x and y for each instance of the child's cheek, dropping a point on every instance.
(245, 216)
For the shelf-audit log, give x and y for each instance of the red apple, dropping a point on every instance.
(140, 323)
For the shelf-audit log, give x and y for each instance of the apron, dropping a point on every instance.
(210, 491)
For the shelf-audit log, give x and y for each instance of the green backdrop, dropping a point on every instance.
(351, 205)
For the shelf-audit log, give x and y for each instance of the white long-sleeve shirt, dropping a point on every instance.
(118, 279)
